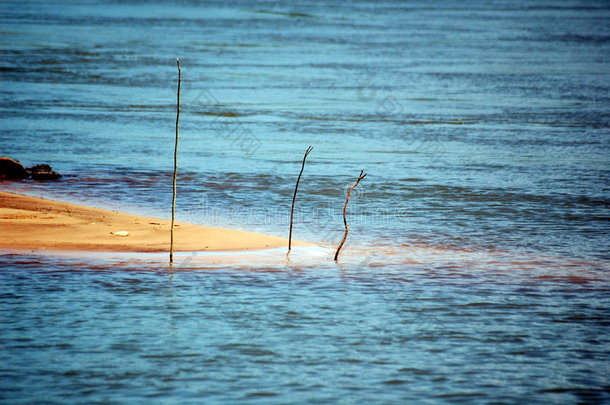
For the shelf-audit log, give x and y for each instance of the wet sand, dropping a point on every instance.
(31, 223)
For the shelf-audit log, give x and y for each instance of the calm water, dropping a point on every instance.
(477, 268)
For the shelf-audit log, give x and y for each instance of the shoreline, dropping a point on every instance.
(38, 224)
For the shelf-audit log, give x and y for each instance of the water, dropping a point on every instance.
(476, 269)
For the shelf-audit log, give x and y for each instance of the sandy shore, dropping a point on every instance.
(30, 223)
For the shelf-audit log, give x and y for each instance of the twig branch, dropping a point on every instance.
(171, 242)
(349, 194)
(294, 198)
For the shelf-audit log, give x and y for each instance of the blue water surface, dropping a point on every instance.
(477, 265)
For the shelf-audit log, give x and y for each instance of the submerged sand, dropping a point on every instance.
(31, 223)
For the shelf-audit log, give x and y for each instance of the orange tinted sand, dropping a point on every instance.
(30, 223)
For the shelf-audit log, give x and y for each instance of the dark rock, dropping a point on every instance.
(43, 172)
(12, 169)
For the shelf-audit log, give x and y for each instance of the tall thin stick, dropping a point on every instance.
(349, 194)
(171, 242)
(294, 197)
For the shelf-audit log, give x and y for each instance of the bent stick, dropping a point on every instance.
(349, 194)
(294, 197)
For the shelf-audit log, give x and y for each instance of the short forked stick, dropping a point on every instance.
(349, 194)
(294, 198)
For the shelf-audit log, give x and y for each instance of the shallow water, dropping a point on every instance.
(117, 329)
(477, 264)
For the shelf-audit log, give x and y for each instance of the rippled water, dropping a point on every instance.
(119, 330)
(477, 264)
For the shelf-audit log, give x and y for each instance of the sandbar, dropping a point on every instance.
(32, 223)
